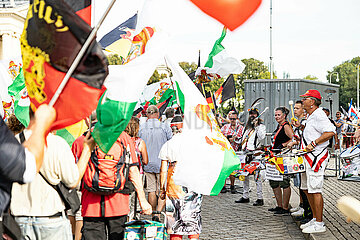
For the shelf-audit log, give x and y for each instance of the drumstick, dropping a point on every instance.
(350, 207)
(291, 103)
(355, 146)
(298, 150)
(351, 124)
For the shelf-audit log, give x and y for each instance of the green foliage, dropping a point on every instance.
(188, 67)
(347, 80)
(310, 77)
(255, 69)
(114, 59)
(156, 77)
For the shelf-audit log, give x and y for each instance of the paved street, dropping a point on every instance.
(225, 219)
(334, 220)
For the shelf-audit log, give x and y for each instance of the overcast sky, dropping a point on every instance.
(309, 36)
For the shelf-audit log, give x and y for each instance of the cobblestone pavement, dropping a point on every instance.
(225, 219)
(334, 220)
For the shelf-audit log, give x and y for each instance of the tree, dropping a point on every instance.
(188, 67)
(114, 59)
(347, 80)
(310, 77)
(254, 69)
(156, 77)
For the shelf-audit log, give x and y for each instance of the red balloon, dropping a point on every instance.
(231, 13)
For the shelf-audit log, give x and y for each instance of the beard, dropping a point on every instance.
(249, 124)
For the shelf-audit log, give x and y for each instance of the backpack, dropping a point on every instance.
(109, 173)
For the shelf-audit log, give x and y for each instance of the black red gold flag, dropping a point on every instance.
(226, 91)
(52, 37)
(163, 105)
(209, 100)
(82, 8)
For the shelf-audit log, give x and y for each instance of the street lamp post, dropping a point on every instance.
(337, 76)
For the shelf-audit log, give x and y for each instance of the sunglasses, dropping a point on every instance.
(232, 119)
(253, 109)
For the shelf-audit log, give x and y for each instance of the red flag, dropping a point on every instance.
(82, 8)
(52, 37)
(226, 91)
(163, 105)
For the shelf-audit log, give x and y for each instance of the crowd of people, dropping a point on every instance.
(36, 205)
(149, 148)
(310, 130)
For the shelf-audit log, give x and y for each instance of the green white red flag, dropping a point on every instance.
(124, 86)
(21, 99)
(206, 157)
(219, 63)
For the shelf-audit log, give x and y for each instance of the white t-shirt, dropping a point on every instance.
(260, 132)
(38, 198)
(30, 167)
(171, 149)
(316, 124)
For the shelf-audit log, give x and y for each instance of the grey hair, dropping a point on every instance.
(317, 101)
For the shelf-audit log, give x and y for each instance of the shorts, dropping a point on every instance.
(303, 181)
(313, 181)
(77, 215)
(152, 182)
(285, 183)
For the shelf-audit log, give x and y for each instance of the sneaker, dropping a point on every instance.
(155, 219)
(311, 222)
(282, 211)
(315, 228)
(295, 209)
(274, 209)
(298, 213)
(305, 220)
(223, 190)
(232, 190)
(259, 202)
(242, 200)
(300, 219)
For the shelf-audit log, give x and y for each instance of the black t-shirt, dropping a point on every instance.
(280, 137)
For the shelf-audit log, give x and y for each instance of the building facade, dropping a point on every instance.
(12, 18)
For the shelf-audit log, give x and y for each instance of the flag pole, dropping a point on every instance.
(203, 90)
(172, 86)
(80, 55)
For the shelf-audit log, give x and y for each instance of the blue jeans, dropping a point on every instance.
(297, 180)
(44, 228)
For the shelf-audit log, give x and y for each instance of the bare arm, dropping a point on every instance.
(89, 144)
(44, 117)
(134, 176)
(338, 124)
(144, 154)
(336, 138)
(163, 171)
(289, 132)
(357, 135)
(323, 138)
